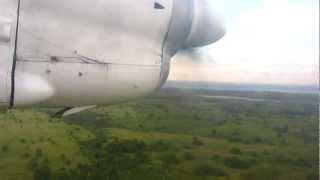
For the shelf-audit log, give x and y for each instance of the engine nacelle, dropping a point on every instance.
(67, 54)
(206, 27)
(7, 44)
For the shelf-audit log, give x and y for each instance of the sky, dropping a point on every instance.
(267, 42)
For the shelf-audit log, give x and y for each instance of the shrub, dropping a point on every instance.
(313, 176)
(42, 173)
(237, 163)
(301, 162)
(26, 155)
(281, 157)
(257, 139)
(281, 129)
(45, 161)
(63, 157)
(170, 159)
(196, 141)
(4, 148)
(235, 151)
(33, 163)
(206, 170)
(214, 132)
(196, 117)
(159, 146)
(235, 137)
(38, 152)
(141, 157)
(126, 146)
(215, 157)
(68, 162)
(188, 156)
(49, 139)
(253, 153)
(186, 146)
(262, 173)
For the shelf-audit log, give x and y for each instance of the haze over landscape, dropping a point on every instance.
(245, 108)
(267, 42)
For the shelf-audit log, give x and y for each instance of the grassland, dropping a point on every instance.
(171, 135)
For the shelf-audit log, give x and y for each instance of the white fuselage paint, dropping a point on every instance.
(85, 52)
(82, 84)
(7, 18)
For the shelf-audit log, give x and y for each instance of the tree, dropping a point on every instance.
(236, 151)
(188, 156)
(196, 141)
(38, 152)
(237, 163)
(42, 173)
(206, 170)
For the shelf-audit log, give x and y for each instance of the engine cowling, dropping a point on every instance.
(6, 54)
(206, 26)
(193, 24)
(70, 55)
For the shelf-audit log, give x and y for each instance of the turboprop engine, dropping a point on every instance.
(79, 53)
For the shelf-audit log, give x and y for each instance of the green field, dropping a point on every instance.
(173, 135)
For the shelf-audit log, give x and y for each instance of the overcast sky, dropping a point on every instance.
(267, 41)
